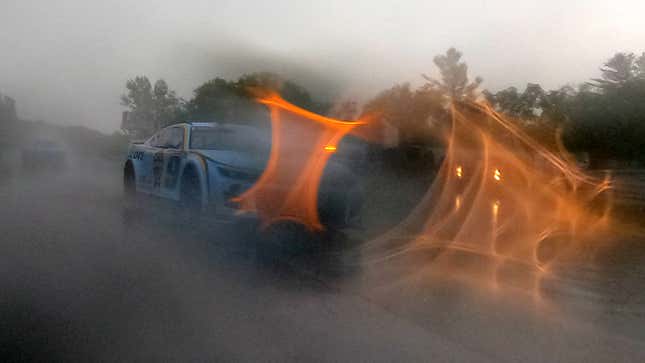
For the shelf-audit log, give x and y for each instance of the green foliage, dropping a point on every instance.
(619, 70)
(289, 90)
(609, 124)
(345, 110)
(525, 105)
(232, 101)
(421, 115)
(139, 96)
(412, 112)
(454, 83)
(167, 108)
(150, 107)
(216, 99)
(605, 117)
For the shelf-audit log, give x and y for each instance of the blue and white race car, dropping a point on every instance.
(203, 165)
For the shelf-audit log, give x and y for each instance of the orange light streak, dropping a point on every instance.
(302, 143)
(545, 202)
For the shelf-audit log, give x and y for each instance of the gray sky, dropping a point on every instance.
(66, 61)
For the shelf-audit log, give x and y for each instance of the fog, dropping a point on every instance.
(447, 261)
(67, 61)
(85, 279)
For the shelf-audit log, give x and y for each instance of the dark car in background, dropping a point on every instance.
(43, 154)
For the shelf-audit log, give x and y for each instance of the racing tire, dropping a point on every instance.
(129, 187)
(131, 211)
(190, 193)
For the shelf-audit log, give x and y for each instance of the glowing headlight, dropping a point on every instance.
(497, 175)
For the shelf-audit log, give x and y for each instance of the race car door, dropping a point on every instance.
(149, 150)
(173, 148)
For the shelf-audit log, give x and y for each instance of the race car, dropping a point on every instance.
(203, 165)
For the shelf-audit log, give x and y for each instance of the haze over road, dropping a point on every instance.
(81, 280)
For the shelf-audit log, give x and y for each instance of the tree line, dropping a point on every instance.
(154, 107)
(604, 116)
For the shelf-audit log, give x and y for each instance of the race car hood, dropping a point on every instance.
(334, 170)
(235, 159)
(335, 176)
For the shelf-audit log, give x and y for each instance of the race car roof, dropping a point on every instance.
(201, 123)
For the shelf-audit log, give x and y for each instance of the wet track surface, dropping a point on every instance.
(83, 280)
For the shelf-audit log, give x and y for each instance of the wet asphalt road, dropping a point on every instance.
(82, 280)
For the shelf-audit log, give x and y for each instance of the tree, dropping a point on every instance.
(505, 101)
(413, 113)
(149, 108)
(540, 113)
(232, 101)
(640, 66)
(422, 115)
(167, 107)
(526, 106)
(214, 100)
(556, 105)
(7, 110)
(607, 116)
(139, 120)
(454, 81)
(139, 96)
(289, 90)
(344, 110)
(618, 70)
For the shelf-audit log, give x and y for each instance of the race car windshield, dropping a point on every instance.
(210, 138)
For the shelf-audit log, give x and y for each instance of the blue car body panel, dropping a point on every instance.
(160, 162)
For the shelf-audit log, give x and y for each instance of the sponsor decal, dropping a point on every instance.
(135, 155)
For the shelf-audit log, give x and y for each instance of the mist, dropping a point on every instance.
(426, 226)
(67, 62)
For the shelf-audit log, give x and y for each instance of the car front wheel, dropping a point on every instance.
(129, 186)
(191, 192)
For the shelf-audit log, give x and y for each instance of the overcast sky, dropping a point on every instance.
(66, 61)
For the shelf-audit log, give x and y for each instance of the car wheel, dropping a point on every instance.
(129, 186)
(191, 192)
